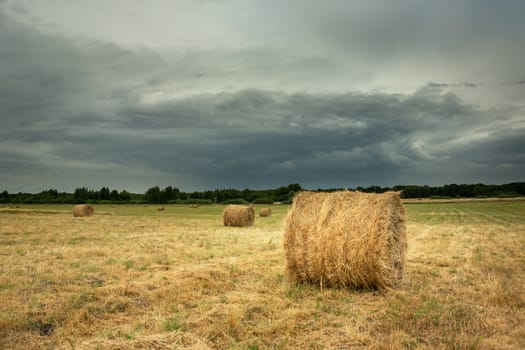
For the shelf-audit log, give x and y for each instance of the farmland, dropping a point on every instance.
(131, 277)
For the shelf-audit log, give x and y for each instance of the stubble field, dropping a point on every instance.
(131, 277)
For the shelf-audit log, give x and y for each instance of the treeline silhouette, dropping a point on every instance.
(283, 194)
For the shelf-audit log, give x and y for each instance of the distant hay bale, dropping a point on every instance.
(81, 210)
(160, 209)
(346, 239)
(238, 215)
(265, 212)
(193, 206)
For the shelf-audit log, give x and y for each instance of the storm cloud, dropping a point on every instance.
(325, 98)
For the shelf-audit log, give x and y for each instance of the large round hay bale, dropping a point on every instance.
(238, 215)
(265, 212)
(81, 210)
(161, 208)
(346, 239)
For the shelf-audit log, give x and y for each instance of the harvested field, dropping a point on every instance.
(131, 277)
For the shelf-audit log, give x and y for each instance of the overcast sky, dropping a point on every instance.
(209, 94)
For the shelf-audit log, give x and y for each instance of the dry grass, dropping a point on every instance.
(134, 278)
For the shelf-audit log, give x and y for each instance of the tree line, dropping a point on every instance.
(155, 195)
(283, 194)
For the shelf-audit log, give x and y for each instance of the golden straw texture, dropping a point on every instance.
(83, 210)
(346, 239)
(238, 215)
(265, 212)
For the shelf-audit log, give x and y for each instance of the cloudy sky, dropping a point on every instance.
(209, 94)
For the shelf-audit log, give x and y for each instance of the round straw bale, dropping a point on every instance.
(265, 212)
(238, 215)
(83, 210)
(160, 209)
(346, 239)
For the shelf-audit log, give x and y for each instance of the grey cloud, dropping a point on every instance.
(500, 147)
(262, 138)
(431, 40)
(85, 113)
(517, 83)
(447, 85)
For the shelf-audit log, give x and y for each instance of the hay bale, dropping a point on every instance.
(160, 209)
(265, 212)
(346, 239)
(238, 215)
(81, 210)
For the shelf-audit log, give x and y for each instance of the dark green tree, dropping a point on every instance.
(114, 195)
(81, 194)
(105, 194)
(152, 195)
(4, 197)
(124, 196)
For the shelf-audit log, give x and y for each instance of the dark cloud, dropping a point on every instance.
(76, 112)
(516, 83)
(454, 85)
(261, 139)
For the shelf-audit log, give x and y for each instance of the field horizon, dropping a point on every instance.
(131, 277)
